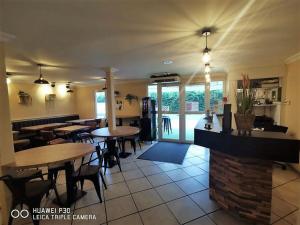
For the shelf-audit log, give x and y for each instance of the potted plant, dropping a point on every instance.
(130, 97)
(244, 117)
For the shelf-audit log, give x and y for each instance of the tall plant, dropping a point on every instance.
(245, 100)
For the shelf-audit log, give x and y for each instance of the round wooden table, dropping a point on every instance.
(119, 132)
(51, 154)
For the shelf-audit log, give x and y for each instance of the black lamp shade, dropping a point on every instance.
(41, 81)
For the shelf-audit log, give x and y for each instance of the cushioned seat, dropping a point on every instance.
(37, 188)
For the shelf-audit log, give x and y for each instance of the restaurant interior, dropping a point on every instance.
(149, 112)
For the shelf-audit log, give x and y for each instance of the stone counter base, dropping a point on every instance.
(242, 186)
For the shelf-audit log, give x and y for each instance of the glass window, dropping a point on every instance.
(170, 99)
(195, 98)
(216, 96)
(100, 104)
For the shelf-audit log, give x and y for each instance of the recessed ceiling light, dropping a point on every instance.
(167, 62)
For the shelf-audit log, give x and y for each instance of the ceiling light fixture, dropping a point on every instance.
(53, 84)
(206, 51)
(41, 80)
(207, 68)
(207, 78)
(167, 62)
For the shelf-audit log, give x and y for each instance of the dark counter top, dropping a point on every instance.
(261, 144)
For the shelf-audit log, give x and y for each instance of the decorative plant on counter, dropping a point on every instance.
(130, 97)
(244, 118)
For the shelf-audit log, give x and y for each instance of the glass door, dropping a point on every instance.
(194, 106)
(170, 112)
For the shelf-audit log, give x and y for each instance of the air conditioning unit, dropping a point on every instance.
(165, 78)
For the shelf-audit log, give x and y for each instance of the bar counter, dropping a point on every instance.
(240, 174)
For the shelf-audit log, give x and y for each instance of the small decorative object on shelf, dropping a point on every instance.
(119, 104)
(24, 98)
(130, 97)
(244, 117)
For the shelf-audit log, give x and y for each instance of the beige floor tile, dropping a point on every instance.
(143, 163)
(196, 160)
(116, 190)
(193, 171)
(203, 179)
(190, 185)
(220, 217)
(98, 210)
(133, 219)
(202, 199)
(205, 220)
(293, 218)
(159, 179)
(91, 197)
(185, 209)
(170, 192)
(281, 176)
(282, 222)
(140, 184)
(132, 174)
(168, 166)
(120, 207)
(204, 166)
(129, 166)
(289, 192)
(281, 207)
(113, 178)
(146, 199)
(274, 218)
(150, 170)
(158, 215)
(177, 175)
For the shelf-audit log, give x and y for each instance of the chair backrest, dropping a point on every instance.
(92, 124)
(47, 134)
(16, 186)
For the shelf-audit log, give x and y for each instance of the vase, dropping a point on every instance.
(244, 123)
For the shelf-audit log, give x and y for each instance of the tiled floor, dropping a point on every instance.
(154, 193)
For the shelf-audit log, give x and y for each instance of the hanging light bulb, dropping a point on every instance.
(8, 80)
(206, 51)
(206, 56)
(207, 68)
(207, 78)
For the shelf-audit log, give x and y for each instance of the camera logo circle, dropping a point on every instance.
(24, 213)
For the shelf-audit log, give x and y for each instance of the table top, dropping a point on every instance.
(120, 131)
(72, 128)
(80, 120)
(127, 116)
(49, 154)
(43, 126)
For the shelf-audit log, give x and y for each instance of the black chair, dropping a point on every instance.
(87, 171)
(281, 129)
(87, 136)
(27, 191)
(110, 152)
(53, 169)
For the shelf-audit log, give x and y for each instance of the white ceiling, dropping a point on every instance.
(79, 37)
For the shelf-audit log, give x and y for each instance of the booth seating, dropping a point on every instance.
(18, 124)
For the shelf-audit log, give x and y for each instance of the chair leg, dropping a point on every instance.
(96, 183)
(34, 203)
(133, 145)
(118, 160)
(105, 164)
(13, 206)
(57, 195)
(139, 142)
(81, 184)
(103, 181)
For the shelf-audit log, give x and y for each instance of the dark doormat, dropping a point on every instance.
(166, 152)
